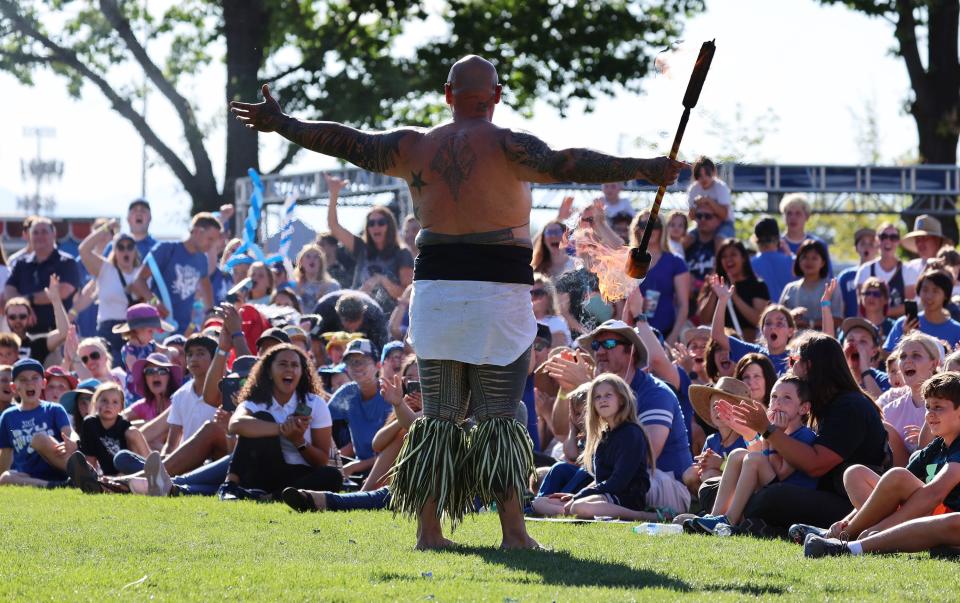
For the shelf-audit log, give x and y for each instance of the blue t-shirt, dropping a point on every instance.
(799, 478)
(740, 348)
(714, 442)
(658, 405)
(364, 417)
(847, 284)
(17, 428)
(221, 283)
(775, 268)
(949, 331)
(182, 272)
(928, 462)
(660, 280)
(530, 401)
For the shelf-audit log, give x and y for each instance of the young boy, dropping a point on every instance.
(9, 348)
(188, 411)
(35, 437)
(747, 472)
(929, 485)
(6, 387)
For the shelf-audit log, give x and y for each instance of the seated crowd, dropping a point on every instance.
(721, 393)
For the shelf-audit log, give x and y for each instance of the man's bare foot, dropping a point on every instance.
(319, 499)
(434, 543)
(522, 542)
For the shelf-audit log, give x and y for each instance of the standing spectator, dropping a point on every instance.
(383, 267)
(27, 245)
(261, 284)
(925, 240)
(113, 274)
(933, 289)
(548, 257)
(663, 297)
(184, 271)
(865, 242)
(900, 278)
(804, 294)
(409, 232)
(354, 312)
(313, 280)
(709, 192)
(31, 275)
(750, 295)
(701, 250)
(612, 202)
(796, 211)
(138, 219)
(773, 266)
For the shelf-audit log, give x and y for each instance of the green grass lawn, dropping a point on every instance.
(65, 546)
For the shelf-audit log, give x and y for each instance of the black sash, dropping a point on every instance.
(474, 262)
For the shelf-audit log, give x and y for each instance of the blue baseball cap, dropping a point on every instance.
(26, 364)
(390, 347)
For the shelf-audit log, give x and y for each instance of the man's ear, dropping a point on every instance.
(497, 93)
(448, 93)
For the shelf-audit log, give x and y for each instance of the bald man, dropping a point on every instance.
(471, 321)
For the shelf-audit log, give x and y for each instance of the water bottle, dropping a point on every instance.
(658, 529)
(722, 529)
(196, 315)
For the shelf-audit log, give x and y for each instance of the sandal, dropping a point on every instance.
(298, 500)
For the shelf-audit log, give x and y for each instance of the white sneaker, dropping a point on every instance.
(158, 480)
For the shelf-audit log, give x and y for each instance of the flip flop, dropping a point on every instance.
(298, 500)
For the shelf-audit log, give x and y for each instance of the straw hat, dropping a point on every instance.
(733, 390)
(925, 226)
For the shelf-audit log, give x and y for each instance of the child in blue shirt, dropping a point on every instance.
(721, 444)
(35, 437)
(747, 472)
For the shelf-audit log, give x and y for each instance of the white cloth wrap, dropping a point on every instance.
(475, 322)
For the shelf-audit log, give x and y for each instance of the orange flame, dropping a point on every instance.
(607, 263)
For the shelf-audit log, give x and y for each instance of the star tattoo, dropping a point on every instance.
(418, 181)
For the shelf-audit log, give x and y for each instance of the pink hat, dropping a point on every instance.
(159, 360)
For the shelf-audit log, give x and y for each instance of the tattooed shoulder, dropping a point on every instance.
(527, 150)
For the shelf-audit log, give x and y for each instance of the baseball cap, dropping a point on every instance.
(863, 232)
(360, 346)
(26, 364)
(138, 201)
(390, 347)
(275, 334)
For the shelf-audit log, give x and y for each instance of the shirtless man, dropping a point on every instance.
(472, 324)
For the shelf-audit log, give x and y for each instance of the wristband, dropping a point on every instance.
(237, 334)
(826, 303)
(640, 318)
(769, 431)
(755, 439)
(222, 352)
(769, 452)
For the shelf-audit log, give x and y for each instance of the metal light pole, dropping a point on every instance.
(38, 170)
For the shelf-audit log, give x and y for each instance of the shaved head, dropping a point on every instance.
(472, 74)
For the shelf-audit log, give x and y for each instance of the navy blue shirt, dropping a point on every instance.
(29, 277)
(929, 461)
(17, 428)
(660, 280)
(740, 348)
(364, 417)
(620, 463)
(658, 405)
(714, 442)
(799, 478)
(530, 401)
(847, 283)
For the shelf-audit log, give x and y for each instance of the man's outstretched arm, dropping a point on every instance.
(374, 151)
(535, 161)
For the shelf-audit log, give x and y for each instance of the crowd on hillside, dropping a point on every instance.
(745, 379)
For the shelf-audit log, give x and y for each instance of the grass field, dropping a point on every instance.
(65, 546)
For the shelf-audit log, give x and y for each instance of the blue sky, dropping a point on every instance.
(816, 68)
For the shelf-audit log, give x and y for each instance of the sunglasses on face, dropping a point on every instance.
(376, 222)
(125, 247)
(540, 346)
(538, 293)
(91, 356)
(893, 236)
(17, 317)
(876, 293)
(553, 232)
(607, 344)
(156, 370)
(704, 216)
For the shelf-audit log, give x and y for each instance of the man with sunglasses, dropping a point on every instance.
(702, 249)
(471, 321)
(901, 279)
(866, 244)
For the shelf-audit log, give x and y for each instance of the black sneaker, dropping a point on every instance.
(82, 475)
(816, 546)
(798, 532)
(230, 491)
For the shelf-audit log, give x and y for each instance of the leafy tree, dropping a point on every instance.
(334, 60)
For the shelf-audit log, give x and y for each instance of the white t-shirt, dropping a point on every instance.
(111, 296)
(718, 191)
(557, 325)
(916, 267)
(188, 410)
(622, 206)
(319, 418)
(910, 273)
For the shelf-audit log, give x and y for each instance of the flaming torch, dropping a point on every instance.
(638, 260)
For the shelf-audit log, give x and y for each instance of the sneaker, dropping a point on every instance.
(816, 546)
(799, 532)
(230, 491)
(760, 529)
(298, 500)
(708, 523)
(82, 475)
(158, 480)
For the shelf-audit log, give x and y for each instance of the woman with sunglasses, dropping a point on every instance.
(89, 358)
(662, 297)
(548, 257)
(899, 278)
(155, 379)
(874, 304)
(113, 275)
(384, 267)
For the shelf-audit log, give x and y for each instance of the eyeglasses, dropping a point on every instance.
(377, 222)
(873, 293)
(91, 356)
(17, 317)
(127, 247)
(607, 344)
(553, 232)
(893, 236)
(705, 216)
(156, 370)
(538, 293)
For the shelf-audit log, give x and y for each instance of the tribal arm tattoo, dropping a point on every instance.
(373, 151)
(569, 165)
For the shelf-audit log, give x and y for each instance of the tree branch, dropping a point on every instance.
(292, 150)
(335, 44)
(906, 33)
(69, 58)
(194, 136)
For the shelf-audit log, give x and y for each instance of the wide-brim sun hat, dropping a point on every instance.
(140, 316)
(155, 359)
(620, 328)
(732, 390)
(925, 226)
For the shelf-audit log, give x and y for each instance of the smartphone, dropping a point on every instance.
(303, 409)
(411, 387)
(229, 388)
(910, 309)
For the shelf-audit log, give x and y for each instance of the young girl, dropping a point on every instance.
(918, 358)
(747, 472)
(677, 225)
(893, 370)
(104, 434)
(313, 280)
(142, 325)
(543, 296)
(617, 453)
(812, 266)
(776, 328)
